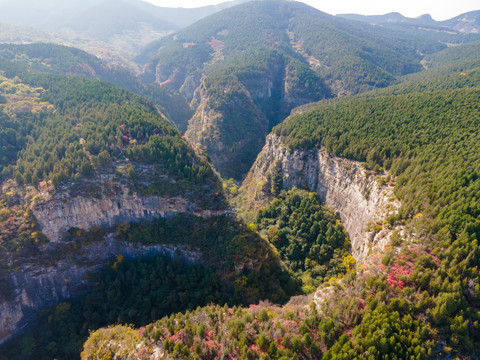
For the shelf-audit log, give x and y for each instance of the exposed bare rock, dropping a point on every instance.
(36, 285)
(61, 213)
(234, 125)
(344, 185)
(192, 82)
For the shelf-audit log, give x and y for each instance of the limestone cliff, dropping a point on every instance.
(40, 283)
(61, 213)
(47, 278)
(344, 185)
(234, 113)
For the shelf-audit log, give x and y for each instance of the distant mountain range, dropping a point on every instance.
(101, 18)
(468, 23)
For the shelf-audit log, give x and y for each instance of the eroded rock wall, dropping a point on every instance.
(37, 286)
(61, 213)
(342, 184)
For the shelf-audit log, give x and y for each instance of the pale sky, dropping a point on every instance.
(439, 9)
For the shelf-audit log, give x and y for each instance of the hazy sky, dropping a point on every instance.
(439, 9)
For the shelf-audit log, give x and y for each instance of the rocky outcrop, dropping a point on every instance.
(37, 285)
(61, 213)
(192, 82)
(231, 130)
(344, 185)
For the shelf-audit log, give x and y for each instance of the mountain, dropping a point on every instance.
(183, 17)
(465, 23)
(102, 18)
(460, 29)
(109, 18)
(63, 60)
(90, 171)
(354, 233)
(246, 67)
(113, 30)
(401, 171)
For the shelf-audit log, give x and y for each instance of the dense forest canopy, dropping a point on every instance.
(93, 123)
(63, 60)
(359, 55)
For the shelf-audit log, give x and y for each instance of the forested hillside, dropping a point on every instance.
(246, 67)
(93, 122)
(62, 60)
(125, 232)
(91, 140)
(58, 132)
(428, 143)
(419, 297)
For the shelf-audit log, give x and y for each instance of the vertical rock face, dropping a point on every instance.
(42, 282)
(235, 113)
(342, 184)
(37, 286)
(61, 213)
(231, 130)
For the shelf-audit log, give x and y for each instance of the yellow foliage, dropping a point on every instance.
(118, 260)
(348, 262)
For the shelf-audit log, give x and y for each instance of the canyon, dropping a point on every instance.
(42, 282)
(353, 192)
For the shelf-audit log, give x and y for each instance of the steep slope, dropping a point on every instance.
(416, 295)
(246, 67)
(68, 144)
(465, 23)
(63, 60)
(82, 160)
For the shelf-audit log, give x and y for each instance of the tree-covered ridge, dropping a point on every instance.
(63, 60)
(429, 143)
(248, 66)
(214, 332)
(307, 235)
(294, 331)
(359, 55)
(433, 80)
(94, 123)
(453, 54)
(408, 135)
